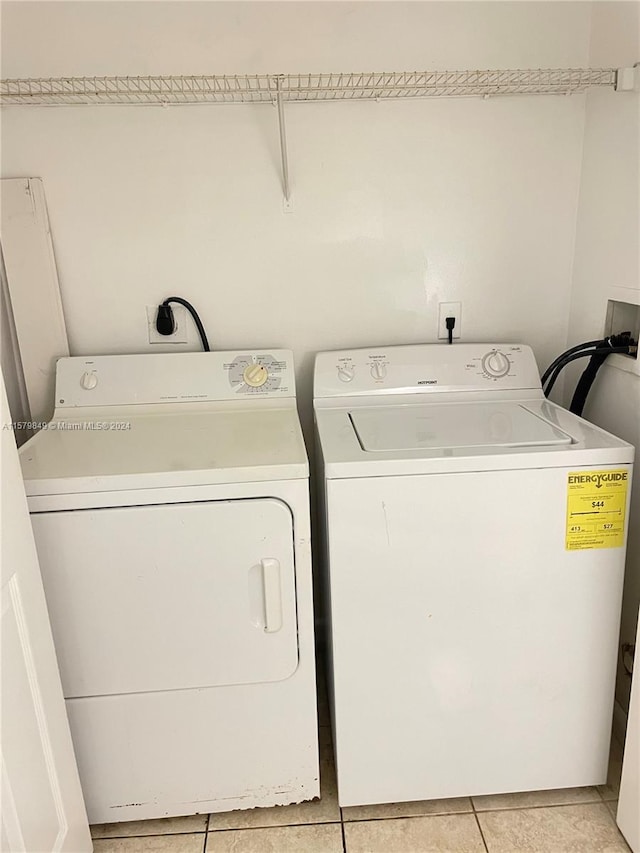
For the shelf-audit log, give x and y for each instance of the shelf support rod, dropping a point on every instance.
(283, 145)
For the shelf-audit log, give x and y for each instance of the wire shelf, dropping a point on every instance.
(266, 88)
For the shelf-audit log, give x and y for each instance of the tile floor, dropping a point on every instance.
(580, 820)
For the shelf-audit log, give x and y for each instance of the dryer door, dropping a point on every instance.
(171, 596)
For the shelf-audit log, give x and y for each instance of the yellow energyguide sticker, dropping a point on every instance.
(596, 508)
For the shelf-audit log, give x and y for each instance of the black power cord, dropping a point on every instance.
(450, 323)
(166, 324)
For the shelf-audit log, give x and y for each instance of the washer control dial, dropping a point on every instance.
(378, 370)
(496, 364)
(346, 373)
(255, 375)
(88, 381)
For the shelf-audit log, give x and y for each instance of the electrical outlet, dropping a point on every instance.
(179, 335)
(449, 309)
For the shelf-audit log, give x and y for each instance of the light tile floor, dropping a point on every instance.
(580, 820)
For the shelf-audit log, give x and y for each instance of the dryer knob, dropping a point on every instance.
(88, 381)
(255, 375)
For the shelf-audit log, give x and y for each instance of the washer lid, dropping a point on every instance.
(440, 427)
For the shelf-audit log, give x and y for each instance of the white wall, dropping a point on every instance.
(608, 255)
(397, 205)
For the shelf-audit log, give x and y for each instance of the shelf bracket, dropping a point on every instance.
(628, 79)
(287, 204)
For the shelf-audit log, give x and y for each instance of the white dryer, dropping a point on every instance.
(475, 547)
(169, 500)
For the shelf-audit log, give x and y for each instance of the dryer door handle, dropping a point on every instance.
(272, 595)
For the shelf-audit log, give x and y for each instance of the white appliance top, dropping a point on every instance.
(439, 407)
(149, 421)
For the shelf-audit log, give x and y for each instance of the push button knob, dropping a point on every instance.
(88, 381)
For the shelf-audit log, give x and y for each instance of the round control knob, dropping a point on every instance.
(378, 370)
(88, 381)
(255, 375)
(496, 364)
(346, 374)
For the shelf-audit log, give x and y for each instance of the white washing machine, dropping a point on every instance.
(170, 504)
(475, 538)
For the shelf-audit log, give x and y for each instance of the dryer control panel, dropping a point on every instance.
(425, 368)
(188, 377)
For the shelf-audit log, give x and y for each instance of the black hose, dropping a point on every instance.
(585, 382)
(579, 399)
(196, 318)
(578, 348)
(605, 351)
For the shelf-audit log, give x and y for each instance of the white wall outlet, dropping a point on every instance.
(449, 309)
(180, 334)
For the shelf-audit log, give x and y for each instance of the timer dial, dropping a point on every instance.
(255, 375)
(496, 364)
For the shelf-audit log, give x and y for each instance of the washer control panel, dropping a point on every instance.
(190, 377)
(427, 367)
(376, 364)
